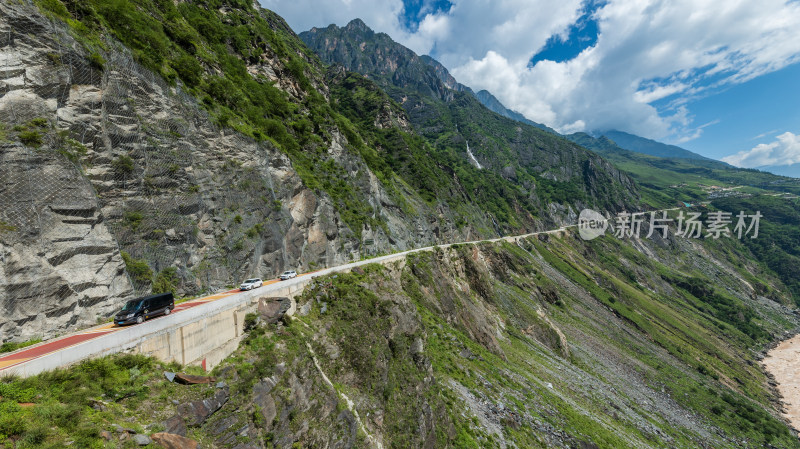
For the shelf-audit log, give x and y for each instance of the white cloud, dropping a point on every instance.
(647, 51)
(784, 151)
(691, 134)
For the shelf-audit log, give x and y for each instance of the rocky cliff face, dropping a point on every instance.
(100, 156)
(61, 264)
(376, 55)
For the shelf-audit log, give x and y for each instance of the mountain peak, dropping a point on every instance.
(357, 25)
(360, 49)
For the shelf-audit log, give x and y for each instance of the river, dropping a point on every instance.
(783, 362)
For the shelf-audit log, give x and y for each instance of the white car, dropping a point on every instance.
(250, 284)
(288, 275)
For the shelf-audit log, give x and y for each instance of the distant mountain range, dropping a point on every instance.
(648, 146)
(615, 140)
(792, 170)
(619, 140)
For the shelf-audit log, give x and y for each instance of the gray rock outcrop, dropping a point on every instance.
(100, 160)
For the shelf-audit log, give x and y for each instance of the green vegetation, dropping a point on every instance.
(13, 346)
(31, 138)
(166, 281)
(721, 306)
(5, 227)
(123, 165)
(666, 181)
(390, 152)
(139, 271)
(133, 219)
(31, 133)
(71, 406)
(70, 148)
(777, 246)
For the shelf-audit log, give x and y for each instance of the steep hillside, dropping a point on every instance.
(777, 247)
(553, 169)
(186, 146)
(551, 342)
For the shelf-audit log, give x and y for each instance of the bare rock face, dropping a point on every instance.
(61, 265)
(196, 413)
(99, 161)
(176, 425)
(273, 309)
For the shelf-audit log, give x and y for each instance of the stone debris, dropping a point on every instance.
(141, 439)
(172, 441)
(189, 379)
(196, 413)
(175, 425)
(271, 310)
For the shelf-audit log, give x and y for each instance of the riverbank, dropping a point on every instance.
(783, 362)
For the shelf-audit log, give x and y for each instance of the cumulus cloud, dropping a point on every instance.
(646, 51)
(783, 151)
(651, 57)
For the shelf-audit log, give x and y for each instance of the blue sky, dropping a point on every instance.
(717, 78)
(579, 36)
(749, 114)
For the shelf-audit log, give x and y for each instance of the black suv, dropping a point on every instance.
(138, 310)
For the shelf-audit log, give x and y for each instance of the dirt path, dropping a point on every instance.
(783, 362)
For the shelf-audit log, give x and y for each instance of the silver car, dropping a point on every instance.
(250, 284)
(288, 275)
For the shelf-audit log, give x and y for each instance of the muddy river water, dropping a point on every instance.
(784, 363)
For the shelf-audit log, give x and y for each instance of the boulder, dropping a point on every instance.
(175, 425)
(272, 310)
(196, 413)
(173, 441)
(141, 439)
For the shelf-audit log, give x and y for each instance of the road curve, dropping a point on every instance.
(88, 343)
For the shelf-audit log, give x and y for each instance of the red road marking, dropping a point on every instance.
(56, 345)
(47, 348)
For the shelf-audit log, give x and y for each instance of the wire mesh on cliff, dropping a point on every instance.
(98, 201)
